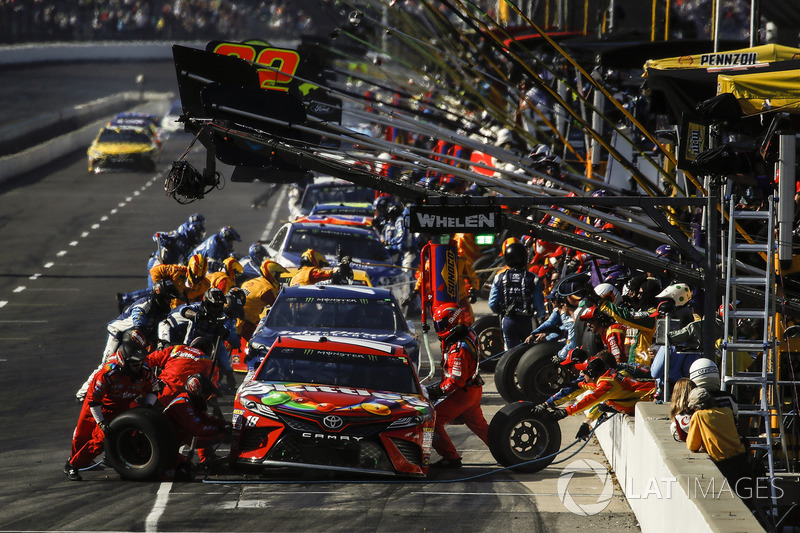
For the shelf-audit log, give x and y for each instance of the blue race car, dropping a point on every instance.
(334, 310)
(333, 241)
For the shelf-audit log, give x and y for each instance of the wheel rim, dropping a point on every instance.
(490, 342)
(135, 448)
(549, 380)
(528, 439)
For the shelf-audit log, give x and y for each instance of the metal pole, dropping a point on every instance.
(786, 187)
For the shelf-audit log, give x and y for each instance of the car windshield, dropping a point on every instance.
(330, 242)
(341, 313)
(343, 369)
(343, 210)
(335, 194)
(123, 136)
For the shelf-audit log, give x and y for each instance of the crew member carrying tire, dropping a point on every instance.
(113, 390)
(461, 386)
(516, 296)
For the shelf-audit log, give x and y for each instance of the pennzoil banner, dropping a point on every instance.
(462, 219)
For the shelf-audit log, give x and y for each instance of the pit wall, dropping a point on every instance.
(668, 487)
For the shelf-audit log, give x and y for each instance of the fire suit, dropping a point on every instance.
(111, 393)
(309, 275)
(462, 388)
(191, 421)
(620, 392)
(177, 363)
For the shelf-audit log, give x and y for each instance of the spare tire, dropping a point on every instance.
(538, 376)
(505, 373)
(141, 444)
(517, 436)
(490, 340)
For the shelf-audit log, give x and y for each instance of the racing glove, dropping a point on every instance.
(583, 432)
(540, 409)
(408, 301)
(558, 413)
(103, 427)
(434, 392)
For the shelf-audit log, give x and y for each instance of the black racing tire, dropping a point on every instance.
(482, 263)
(517, 435)
(141, 444)
(505, 374)
(538, 376)
(490, 340)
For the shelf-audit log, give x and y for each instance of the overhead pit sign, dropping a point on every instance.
(461, 219)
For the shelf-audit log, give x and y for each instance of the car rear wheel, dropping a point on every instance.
(518, 436)
(141, 444)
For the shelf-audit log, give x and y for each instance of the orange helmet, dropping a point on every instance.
(195, 269)
(232, 267)
(271, 271)
(510, 240)
(313, 258)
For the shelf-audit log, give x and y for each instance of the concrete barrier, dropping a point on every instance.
(668, 487)
(38, 156)
(91, 51)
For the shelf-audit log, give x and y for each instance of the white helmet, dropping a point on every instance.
(705, 373)
(607, 291)
(680, 293)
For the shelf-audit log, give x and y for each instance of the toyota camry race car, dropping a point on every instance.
(333, 403)
(335, 310)
(127, 147)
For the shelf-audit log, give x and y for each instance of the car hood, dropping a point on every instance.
(322, 402)
(264, 338)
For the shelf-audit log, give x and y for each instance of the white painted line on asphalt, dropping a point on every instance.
(73, 243)
(48, 265)
(84, 234)
(3, 303)
(128, 199)
(62, 253)
(273, 219)
(57, 289)
(95, 226)
(20, 288)
(151, 523)
(114, 211)
(35, 276)
(103, 218)
(23, 321)
(136, 193)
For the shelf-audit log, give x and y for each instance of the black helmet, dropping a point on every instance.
(163, 292)
(133, 355)
(199, 389)
(515, 255)
(213, 301)
(342, 274)
(595, 368)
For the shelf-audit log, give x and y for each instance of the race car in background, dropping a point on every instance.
(123, 147)
(335, 241)
(361, 209)
(353, 311)
(327, 190)
(331, 403)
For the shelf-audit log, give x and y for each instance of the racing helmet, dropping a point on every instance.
(515, 255)
(197, 218)
(163, 292)
(229, 234)
(271, 271)
(705, 373)
(505, 244)
(200, 390)
(608, 292)
(136, 335)
(234, 303)
(257, 253)
(232, 267)
(445, 319)
(680, 293)
(594, 367)
(573, 285)
(213, 302)
(132, 355)
(381, 204)
(596, 316)
(196, 269)
(667, 251)
(313, 258)
(342, 274)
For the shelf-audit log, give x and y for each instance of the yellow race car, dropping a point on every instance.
(123, 147)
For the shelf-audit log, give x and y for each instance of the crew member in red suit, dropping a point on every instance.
(188, 413)
(179, 362)
(461, 387)
(113, 390)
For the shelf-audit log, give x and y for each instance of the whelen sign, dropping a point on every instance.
(461, 219)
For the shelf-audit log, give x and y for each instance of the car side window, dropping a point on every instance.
(277, 241)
